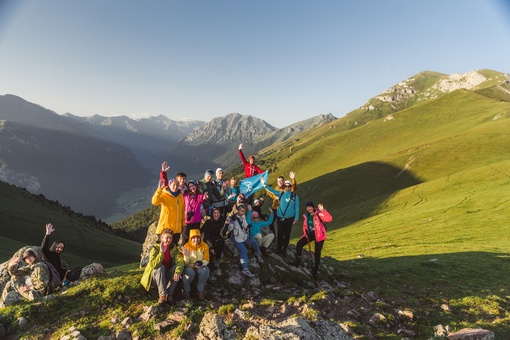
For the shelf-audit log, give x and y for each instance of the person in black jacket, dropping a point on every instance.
(52, 253)
(211, 234)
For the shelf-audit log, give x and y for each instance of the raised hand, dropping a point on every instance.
(320, 207)
(292, 175)
(162, 248)
(49, 228)
(240, 146)
(164, 166)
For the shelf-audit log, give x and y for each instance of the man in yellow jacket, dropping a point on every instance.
(172, 208)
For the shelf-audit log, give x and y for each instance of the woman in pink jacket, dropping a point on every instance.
(313, 230)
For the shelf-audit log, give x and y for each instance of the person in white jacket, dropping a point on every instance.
(239, 228)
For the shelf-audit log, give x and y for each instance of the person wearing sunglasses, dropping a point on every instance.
(287, 214)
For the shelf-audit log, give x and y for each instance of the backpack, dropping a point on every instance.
(54, 277)
(72, 274)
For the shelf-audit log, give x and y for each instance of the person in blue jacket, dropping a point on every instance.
(287, 214)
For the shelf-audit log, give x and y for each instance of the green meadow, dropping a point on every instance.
(420, 205)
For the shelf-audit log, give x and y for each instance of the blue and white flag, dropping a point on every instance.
(251, 185)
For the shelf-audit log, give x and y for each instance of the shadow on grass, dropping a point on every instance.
(473, 284)
(355, 193)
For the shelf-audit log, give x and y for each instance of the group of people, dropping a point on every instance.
(197, 217)
(46, 272)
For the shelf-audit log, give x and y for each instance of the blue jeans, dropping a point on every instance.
(242, 249)
(189, 276)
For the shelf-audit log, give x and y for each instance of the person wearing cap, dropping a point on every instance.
(287, 214)
(172, 208)
(193, 200)
(38, 272)
(196, 259)
(280, 185)
(314, 229)
(256, 231)
(239, 229)
(221, 201)
(250, 168)
(206, 185)
(53, 253)
(164, 269)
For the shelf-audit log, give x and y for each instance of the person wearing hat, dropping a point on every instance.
(256, 231)
(172, 208)
(287, 214)
(196, 259)
(180, 177)
(232, 191)
(221, 201)
(250, 168)
(280, 185)
(193, 200)
(164, 269)
(206, 185)
(314, 229)
(38, 272)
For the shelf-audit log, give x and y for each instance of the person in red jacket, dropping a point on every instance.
(250, 168)
(313, 230)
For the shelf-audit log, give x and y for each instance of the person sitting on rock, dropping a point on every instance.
(38, 272)
(211, 232)
(256, 231)
(164, 269)
(314, 229)
(53, 253)
(239, 228)
(196, 259)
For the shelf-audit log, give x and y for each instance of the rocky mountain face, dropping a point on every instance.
(216, 144)
(46, 153)
(145, 137)
(426, 86)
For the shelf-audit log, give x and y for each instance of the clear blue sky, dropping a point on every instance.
(282, 61)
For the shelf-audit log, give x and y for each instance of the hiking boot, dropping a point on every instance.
(315, 275)
(186, 295)
(217, 263)
(265, 251)
(297, 262)
(259, 258)
(201, 295)
(162, 299)
(247, 272)
(170, 299)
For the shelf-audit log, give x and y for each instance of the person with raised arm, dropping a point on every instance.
(53, 253)
(250, 168)
(172, 214)
(287, 214)
(314, 229)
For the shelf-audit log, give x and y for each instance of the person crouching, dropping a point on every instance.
(196, 259)
(164, 269)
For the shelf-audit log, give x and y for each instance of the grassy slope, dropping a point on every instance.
(437, 233)
(23, 218)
